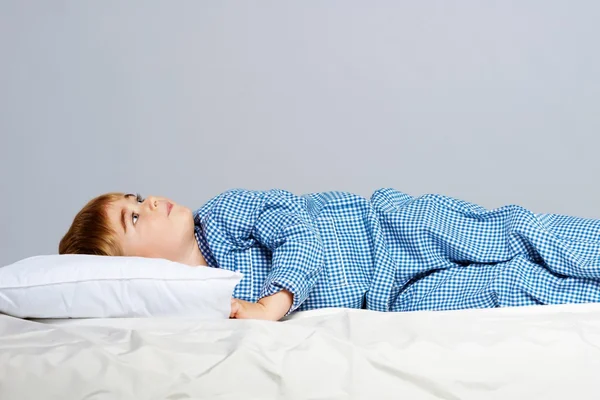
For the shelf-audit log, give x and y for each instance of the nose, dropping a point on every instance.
(152, 202)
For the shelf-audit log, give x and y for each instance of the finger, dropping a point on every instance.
(232, 310)
(235, 308)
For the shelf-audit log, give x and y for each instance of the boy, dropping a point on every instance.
(394, 252)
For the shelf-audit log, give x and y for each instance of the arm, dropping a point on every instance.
(278, 220)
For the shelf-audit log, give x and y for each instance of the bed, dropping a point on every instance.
(545, 352)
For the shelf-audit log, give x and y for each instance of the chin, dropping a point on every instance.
(185, 213)
(179, 209)
(185, 219)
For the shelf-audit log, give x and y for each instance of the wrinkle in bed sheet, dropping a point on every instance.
(550, 352)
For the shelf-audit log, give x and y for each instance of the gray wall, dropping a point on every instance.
(494, 102)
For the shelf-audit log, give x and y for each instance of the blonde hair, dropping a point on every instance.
(90, 232)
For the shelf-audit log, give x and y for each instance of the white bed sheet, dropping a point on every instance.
(544, 352)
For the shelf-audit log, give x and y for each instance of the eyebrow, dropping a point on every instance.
(127, 196)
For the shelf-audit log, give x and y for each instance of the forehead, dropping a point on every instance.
(117, 205)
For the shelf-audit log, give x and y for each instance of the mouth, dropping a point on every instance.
(169, 208)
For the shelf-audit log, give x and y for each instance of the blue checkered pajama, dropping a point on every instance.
(397, 252)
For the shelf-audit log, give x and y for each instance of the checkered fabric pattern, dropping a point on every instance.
(396, 252)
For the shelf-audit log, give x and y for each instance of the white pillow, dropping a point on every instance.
(86, 286)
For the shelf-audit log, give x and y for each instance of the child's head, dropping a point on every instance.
(118, 224)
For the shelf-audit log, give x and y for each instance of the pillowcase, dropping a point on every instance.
(86, 286)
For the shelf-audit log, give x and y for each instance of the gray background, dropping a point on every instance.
(494, 102)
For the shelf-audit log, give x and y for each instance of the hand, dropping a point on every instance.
(272, 307)
(241, 309)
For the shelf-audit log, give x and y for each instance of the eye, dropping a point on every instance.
(139, 198)
(134, 218)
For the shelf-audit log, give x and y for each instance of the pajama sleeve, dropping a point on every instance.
(277, 219)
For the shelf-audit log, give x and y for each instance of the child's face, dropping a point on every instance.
(156, 227)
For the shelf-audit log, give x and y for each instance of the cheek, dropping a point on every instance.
(153, 241)
(163, 232)
(167, 232)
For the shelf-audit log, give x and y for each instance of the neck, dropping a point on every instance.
(194, 256)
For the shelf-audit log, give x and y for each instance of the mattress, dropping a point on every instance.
(545, 352)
